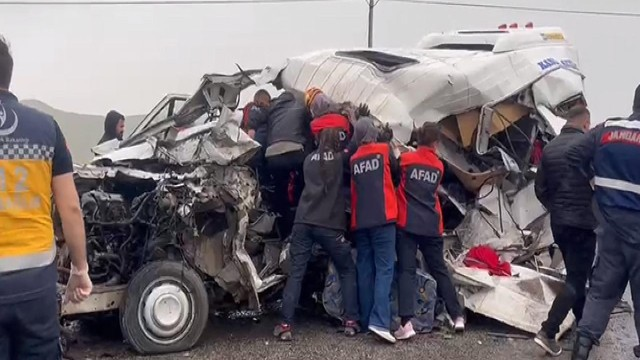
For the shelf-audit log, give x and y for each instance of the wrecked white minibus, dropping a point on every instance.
(176, 225)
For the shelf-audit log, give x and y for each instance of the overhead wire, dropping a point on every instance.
(375, 2)
(155, 2)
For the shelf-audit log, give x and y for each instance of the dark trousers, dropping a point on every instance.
(376, 256)
(578, 248)
(432, 250)
(617, 264)
(339, 249)
(281, 166)
(30, 330)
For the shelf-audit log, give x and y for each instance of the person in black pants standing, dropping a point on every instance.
(420, 226)
(320, 218)
(567, 196)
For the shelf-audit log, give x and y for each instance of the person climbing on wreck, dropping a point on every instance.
(113, 127)
(374, 211)
(288, 143)
(420, 226)
(320, 219)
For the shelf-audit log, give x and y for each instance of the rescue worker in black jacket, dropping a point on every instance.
(420, 226)
(567, 195)
(320, 218)
(613, 150)
(374, 211)
(288, 143)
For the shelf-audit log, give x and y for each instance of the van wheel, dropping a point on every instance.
(165, 309)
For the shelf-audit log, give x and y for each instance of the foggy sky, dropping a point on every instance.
(90, 59)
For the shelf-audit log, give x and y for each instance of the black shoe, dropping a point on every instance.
(351, 328)
(581, 348)
(550, 345)
(283, 332)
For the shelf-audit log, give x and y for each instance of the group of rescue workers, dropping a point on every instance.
(343, 163)
(328, 160)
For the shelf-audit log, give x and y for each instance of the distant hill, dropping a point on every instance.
(81, 131)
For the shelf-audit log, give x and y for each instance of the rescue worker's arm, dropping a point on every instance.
(394, 165)
(582, 151)
(67, 203)
(542, 191)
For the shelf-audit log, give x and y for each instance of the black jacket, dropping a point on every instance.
(110, 125)
(289, 120)
(561, 188)
(323, 202)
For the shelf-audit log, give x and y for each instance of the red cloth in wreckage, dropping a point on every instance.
(484, 257)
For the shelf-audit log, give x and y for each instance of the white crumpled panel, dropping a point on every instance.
(522, 301)
(442, 83)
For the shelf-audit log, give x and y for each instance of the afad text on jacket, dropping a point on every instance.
(419, 209)
(373, 201)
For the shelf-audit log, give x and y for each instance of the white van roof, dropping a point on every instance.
(497, 41)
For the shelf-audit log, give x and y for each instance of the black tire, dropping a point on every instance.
(151, 280)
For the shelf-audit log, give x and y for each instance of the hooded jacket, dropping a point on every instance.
(110, 126)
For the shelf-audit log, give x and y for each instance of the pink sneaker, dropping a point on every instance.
(405, 332)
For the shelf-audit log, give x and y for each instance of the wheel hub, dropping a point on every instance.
(166, 310)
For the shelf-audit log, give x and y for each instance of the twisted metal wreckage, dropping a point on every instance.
(177, 191)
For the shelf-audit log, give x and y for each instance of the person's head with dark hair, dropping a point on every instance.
(329, 140)
(113, 126)
(6, 64)
(579, 117)
(428, 134)
(262, 98)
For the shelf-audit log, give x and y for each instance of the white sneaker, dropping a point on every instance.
(405, 332)
(383, 334)
(458, 325)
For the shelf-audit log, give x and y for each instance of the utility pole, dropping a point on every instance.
(372, 4)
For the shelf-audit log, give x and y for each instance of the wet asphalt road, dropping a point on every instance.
(315, 338)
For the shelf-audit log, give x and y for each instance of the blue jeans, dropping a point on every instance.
(376, 257)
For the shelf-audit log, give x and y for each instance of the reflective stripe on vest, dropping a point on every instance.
(617, 184)
(21, 262)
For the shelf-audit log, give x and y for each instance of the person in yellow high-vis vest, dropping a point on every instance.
(35, 166)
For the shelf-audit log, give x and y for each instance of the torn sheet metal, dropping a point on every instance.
(111, 172)
(525, 207)
(240, 185)
(522, 300)
(215, 92)
(221, 142)
(408, 87)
